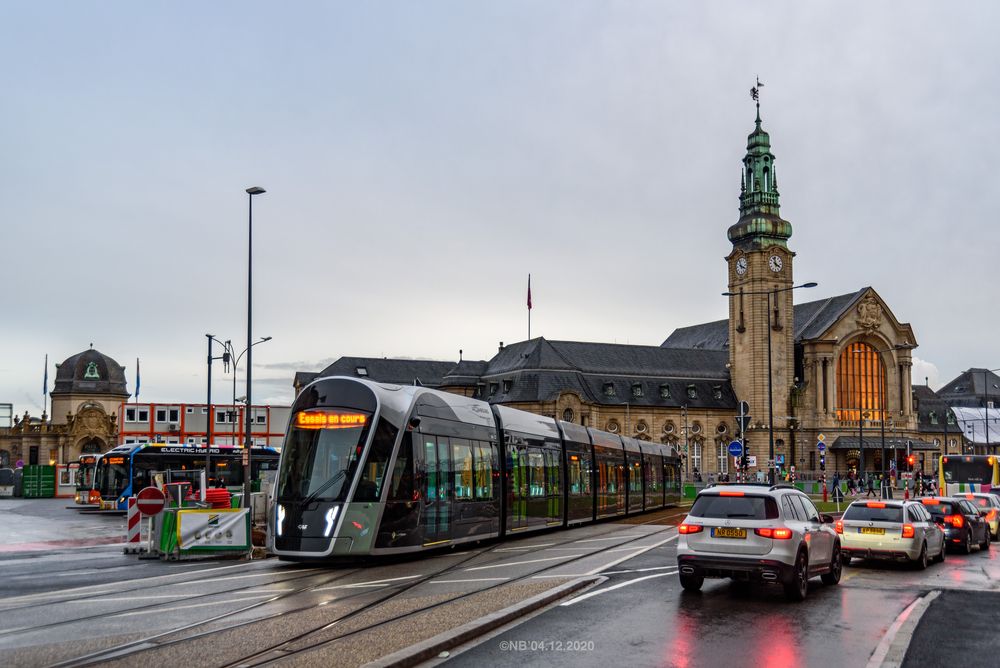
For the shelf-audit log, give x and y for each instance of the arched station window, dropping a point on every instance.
(860, 383)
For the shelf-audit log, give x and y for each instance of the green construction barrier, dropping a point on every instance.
(168, 532)
(690, 491)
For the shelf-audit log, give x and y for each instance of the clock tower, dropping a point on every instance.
(760, 310)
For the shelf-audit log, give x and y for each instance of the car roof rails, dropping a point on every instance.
(782, 485)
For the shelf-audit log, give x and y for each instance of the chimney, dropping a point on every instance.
(501, 346)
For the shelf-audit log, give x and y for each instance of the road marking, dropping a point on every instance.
(435, 582)
(371, 583)
(157, 611)
(515, 563)
(638, 570)
(640, 550)
(594, 540)
(613, 587)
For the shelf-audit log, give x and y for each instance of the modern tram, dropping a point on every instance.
(86, 467)
(375, 469)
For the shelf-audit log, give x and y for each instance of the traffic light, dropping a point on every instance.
(911, 460)
(822, 462)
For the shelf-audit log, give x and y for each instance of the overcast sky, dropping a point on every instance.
(421, 158)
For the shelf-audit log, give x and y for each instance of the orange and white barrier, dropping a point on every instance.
(133, 528)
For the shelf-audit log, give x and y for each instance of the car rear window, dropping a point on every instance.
(939, 509)
(713, 506)
(868, 514)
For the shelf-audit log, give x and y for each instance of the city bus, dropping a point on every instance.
(968, 473)
(126, 469)
(86, 467)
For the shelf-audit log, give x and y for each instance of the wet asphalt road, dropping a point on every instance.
(642, 617)
(65, 602)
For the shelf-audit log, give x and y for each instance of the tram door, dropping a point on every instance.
(436, 520)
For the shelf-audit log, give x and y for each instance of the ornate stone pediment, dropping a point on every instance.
(869, 314)
(92, 421)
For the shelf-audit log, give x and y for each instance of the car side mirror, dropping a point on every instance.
(827, 519)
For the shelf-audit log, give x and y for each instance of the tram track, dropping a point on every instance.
(129, 651)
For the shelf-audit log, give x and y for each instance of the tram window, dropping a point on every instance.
(484, 471)
(462, 469)
(552, 461)
(401, 488)
(536, 468)
(373, 472)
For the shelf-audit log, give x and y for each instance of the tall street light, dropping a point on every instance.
(770, 382)
(247, 440)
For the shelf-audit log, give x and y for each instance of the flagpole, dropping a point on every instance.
(45, 387)
(529, 307)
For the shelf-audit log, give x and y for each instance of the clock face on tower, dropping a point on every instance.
(741, 266)
(774, 263)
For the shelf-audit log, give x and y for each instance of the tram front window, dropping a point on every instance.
(321, 454)
(112, 476)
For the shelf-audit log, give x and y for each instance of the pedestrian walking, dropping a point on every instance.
(871, 486)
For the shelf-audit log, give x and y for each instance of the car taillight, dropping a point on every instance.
(991, 515)
(777, 534)
(839, 526)
(954, 520)
(689, 528)
(908, 531)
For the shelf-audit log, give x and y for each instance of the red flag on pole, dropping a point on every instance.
(529, 292)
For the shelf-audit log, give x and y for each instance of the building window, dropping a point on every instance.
(812, 460)
(723, 457)
(478, 392)
(613, 426)
(568, 415)
(493, 388)
(174, 414)
(696, 428)
(189, 410)
(204, 410)
(225, 417)
(637, 390)
(362, 371)
(664, 391)
(860, 383)
(192, 441)
(161, 414)
(951, 417)
(507, 384)
(260, 416)
(609, 389)
(721, 428)
(692, 392)
(641, 426)
(932, 416)
(137, 414)
(668, 427)
(696, 455)
(717, 391)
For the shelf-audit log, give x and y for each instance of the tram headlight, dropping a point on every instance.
(280, 524)
(331, 517)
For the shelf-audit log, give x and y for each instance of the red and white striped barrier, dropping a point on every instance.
(133, 530)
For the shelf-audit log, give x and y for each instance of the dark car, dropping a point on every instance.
(961, 521)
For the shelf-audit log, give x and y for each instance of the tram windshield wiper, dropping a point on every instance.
(325, 486)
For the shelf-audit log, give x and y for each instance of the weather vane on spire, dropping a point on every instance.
(755, 92)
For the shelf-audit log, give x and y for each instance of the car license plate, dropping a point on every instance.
(729, 532)
(875, 531)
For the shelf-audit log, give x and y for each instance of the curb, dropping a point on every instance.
(430, 648)
(892, 649)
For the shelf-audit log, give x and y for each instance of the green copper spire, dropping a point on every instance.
(759, 224)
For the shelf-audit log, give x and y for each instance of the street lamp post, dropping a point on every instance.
(247, 440)
(236, 363)
(210, 416)
(770, 382)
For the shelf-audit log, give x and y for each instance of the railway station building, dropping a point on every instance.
(835, 370)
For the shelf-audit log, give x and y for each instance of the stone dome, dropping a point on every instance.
(90, 372)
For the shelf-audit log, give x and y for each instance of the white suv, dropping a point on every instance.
(762, 533)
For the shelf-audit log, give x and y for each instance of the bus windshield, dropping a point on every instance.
(974, 469)
(85, 474)
(321, 454)
(112, 475)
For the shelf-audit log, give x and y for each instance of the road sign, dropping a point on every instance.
(821, 446)
(780, 459)
(821, 438)
(735, 448)
(751, 460)
(150, 501)
(743, 419)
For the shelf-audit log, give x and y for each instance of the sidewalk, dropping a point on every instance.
(33, 525)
